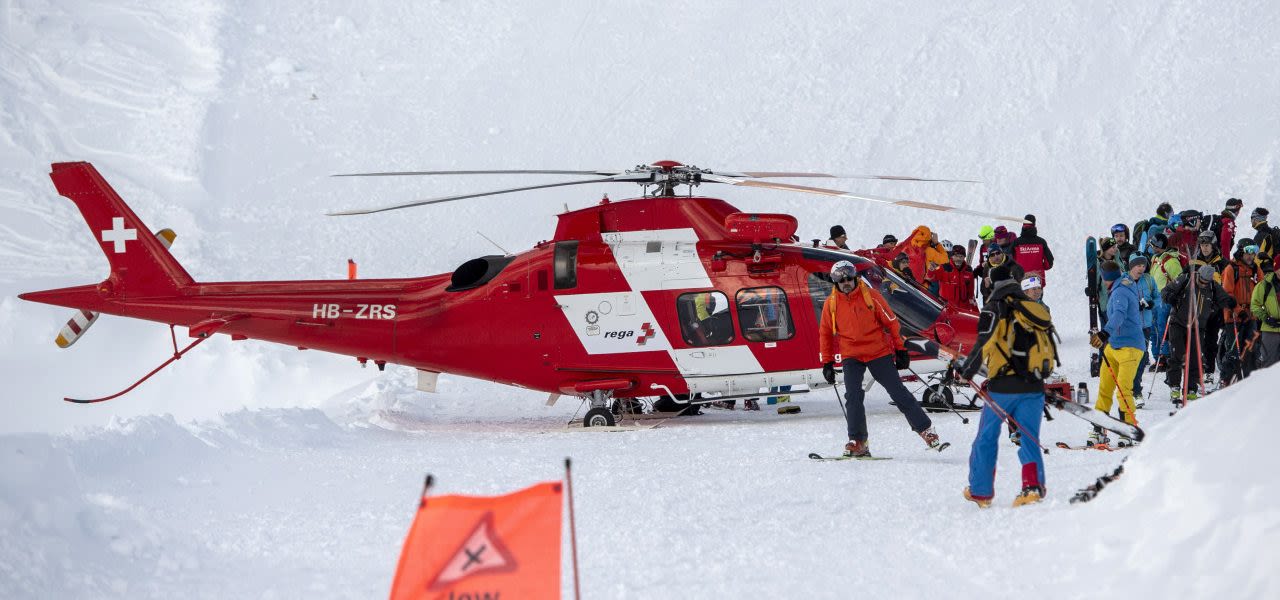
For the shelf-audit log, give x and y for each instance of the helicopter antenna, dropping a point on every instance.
(495, 244)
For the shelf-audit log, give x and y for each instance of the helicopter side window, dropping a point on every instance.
(566, 265)
(704, 318)
(763, 314)
(820, 287)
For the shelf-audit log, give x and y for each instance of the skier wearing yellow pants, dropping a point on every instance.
(1124, 343)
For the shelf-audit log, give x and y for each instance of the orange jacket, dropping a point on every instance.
(862, 325)
(1238, 280)
(923, 253)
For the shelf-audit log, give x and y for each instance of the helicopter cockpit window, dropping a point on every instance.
(566, 265)
(763, 314)
(704, 318)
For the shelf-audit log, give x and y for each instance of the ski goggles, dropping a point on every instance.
(1251, 249)
(1119, 228)
(1031, 282)
(843, 274)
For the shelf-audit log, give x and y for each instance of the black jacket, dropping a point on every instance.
(1006, 270)
(1031, 236)
(1210, 300)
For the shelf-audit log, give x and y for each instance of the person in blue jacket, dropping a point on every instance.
(1122, 342)
(1150, 303)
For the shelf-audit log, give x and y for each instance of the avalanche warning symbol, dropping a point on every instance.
(481, 552)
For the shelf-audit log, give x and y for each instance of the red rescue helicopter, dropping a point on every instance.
(664, 296)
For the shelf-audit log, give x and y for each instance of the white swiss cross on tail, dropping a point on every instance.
(119, 234)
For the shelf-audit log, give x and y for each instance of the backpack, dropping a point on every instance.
(1022, 342)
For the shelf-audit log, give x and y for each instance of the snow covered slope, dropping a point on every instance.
(288, 503)
(222, 119)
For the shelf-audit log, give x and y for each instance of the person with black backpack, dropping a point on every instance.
(1144, 229)
(1016, 343)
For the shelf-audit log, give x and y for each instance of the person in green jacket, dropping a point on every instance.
(1265, 306)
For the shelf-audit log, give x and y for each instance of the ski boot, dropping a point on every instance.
(856, 449)
(930, 438)
(1127, 442)
(751, 404)
(1098, 438)
(1029, 495)
(981, 502)
(1193, 394)
(1208, 382)
(1175, 396)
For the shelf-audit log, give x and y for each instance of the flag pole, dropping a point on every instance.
(426, 485)
(573, 532)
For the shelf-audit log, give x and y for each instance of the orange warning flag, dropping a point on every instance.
(484, 547)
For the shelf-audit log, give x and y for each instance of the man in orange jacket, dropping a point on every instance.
(858, 325)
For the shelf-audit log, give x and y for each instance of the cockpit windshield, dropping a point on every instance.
(916, 311)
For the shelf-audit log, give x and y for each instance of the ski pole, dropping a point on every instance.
(1199, 346)
(950, 405)
(841, 402)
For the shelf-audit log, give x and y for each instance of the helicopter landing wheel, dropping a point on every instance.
(937, 398)
(599, 417)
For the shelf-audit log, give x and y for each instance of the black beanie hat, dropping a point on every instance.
(1235, 203)
(889, 238)
(1165, 209)
(837, 231)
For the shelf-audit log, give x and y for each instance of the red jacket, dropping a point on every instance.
(859, 325)
(955, 284)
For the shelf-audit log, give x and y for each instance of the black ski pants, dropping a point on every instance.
(1180, 358)
(885, 374)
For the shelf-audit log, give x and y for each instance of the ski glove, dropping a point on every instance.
(1098, 339)
(1144, 304)
(1271, 322)
(829, 372)
(901, 360)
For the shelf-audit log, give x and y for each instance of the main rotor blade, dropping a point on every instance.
(843, 194)
(489, 172)
(786, 174)
(620, 177)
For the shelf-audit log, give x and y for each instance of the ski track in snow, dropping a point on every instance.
(253, 470)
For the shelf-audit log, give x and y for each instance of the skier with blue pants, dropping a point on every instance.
(1017, 391)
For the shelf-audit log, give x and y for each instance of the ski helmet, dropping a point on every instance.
(1207, 237)
(1164, 210)
(986, 232)
(947, 245)
(1159, 241)
(844, 271)
(889, 238)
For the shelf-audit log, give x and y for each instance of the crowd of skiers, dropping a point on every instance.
(945, 269)
(1176, 293)
(1194, 298)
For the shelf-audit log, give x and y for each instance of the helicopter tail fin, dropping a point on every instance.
(140, 262)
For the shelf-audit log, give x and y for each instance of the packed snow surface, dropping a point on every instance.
(253, 470)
